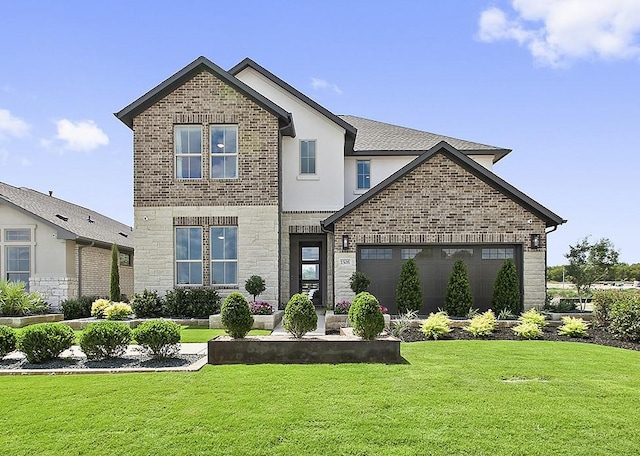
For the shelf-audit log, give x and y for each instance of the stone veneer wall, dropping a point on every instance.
(442, 202)
(55, 289)
(257, 245)
(303, 223)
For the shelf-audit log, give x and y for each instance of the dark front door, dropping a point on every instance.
(310, 272)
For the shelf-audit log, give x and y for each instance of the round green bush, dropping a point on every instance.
(147, 304)
(77, 307)
(299, 316)
(45, 341)
(7, 340)
(105, 339)
(365, 316)
(236, 316)
(161, 338)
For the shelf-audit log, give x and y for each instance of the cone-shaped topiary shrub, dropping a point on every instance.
(359, 282)
(299, 316)
(7, 340)
(458, 298)
(365, 316)
(161, 338)
(105, 339)
(506, 290)
(45, 341)
(409, 291)
(235, 315)
(114, 284)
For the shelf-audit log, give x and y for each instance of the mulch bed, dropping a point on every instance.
(595, 336)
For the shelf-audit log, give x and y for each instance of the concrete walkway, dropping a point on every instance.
(320, 330)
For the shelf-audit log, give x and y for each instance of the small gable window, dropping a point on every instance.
(224, 151)
(364, 175)
(308, 156)
(188, 151)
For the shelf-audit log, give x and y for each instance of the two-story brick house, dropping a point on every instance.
(236, 173)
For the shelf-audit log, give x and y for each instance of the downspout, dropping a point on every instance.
(333, 272)
(546, 265)
(80, 247)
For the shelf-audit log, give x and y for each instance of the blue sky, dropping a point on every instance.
(556, 81)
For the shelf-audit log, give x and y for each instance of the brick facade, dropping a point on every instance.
(96, 272)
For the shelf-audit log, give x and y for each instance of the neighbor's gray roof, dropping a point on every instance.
(379, 138)
(102, 230)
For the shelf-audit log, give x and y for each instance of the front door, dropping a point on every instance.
(310, 272)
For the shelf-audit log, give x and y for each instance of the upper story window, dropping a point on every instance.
(188, 151)
(364, 175)
(308, 156)
(224, 151)
(188, 244)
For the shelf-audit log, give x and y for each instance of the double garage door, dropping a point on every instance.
(382, 264)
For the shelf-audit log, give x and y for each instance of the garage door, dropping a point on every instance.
(382, 264)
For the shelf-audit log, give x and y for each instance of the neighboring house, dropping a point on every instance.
(237, 173)
(58, 248)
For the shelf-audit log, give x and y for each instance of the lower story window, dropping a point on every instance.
(224, 255)
(18, 264)
(189, 256)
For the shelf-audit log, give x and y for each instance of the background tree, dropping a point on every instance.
(114, 284)
(506, 290)
(359, 282)
(589, 263)
(458, 298)
(409, 291)
(255, 286)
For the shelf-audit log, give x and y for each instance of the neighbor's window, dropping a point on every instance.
(224, 151)
(224, 255)
(308, 156)
(189, 256)
(125, 259)
(364, 176)
(18, 263)
(188, 151)
(12, 235)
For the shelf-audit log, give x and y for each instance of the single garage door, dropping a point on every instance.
(382, 264)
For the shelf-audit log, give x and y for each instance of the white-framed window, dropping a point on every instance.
(188, 243)
(308, 156)
(363, 170)
(224, 151)
(187, 146)
(16, 247)
(224, 255)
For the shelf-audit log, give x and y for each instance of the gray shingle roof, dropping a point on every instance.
(101, 229)
(379, 137)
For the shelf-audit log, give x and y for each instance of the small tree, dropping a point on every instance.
(458, 297)
(255, 286)
(506, 290)
(409, 291)
(589, 263)
(359, 282)
(114, 285)
(299, 316)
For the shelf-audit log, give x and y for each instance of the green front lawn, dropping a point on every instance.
(451, 397)
(191, 334)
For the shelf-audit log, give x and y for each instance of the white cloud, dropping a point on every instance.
(559, 31)
(11, 125)
(83, 135)
(321, 84)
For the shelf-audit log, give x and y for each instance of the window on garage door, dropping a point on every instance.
(376, 254)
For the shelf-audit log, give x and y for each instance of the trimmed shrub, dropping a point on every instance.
(147, 304)
(299, 316)
(528, 330)
(77, 307)
(408, 290)
(624, 318)
(118, 311)
(573, 327)
(458, 299)
(98, 307)
(255, 286)
(602, 302)
(365, 316)
(7, 340)
(260, 308)
(114, 282)
(506, 289)
(342, 308)
(45, 341)
(161, 338)
(436, 326)
(192, 302)
(235, 315)
(359, 282)
(16, 301)
(532, 316)
(105, 339)
(482, 325)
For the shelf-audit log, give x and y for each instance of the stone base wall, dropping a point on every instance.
(55, 289)
(533, 277)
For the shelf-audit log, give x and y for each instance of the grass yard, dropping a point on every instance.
(450, 398)
(191, 334)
